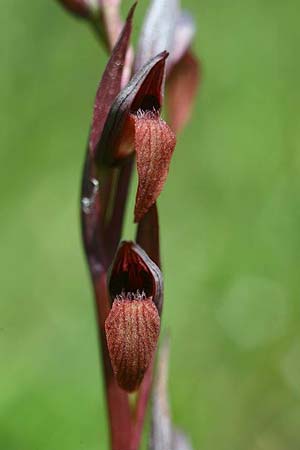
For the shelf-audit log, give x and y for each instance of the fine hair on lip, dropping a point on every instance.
(138, 295)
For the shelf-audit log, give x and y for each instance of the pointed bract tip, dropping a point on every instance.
(163, 55)
(131, 11)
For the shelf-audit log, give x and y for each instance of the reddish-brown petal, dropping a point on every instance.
(182, 86)
(132, 331)
(154, 146)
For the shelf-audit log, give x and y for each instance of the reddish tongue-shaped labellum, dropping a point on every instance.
(132, 330)
(154, 144)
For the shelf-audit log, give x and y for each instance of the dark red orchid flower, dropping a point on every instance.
(133, 324)
(134, 124)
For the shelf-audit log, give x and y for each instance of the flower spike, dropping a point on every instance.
(127, 126)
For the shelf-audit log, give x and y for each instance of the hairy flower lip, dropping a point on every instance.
(132, 330)
(133, 271)
(154, 146)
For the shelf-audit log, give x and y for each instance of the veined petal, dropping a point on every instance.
(133, 324)
(132, 330)
(154, 146)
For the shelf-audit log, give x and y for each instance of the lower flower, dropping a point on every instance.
(133, 324)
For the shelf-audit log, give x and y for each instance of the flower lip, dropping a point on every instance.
(154, 146)
(134, 275)
(132, 330)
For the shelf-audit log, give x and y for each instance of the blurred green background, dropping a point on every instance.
(230, 225)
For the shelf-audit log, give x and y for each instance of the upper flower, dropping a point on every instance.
(134, 124)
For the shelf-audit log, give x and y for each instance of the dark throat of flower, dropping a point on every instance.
(130, 277)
